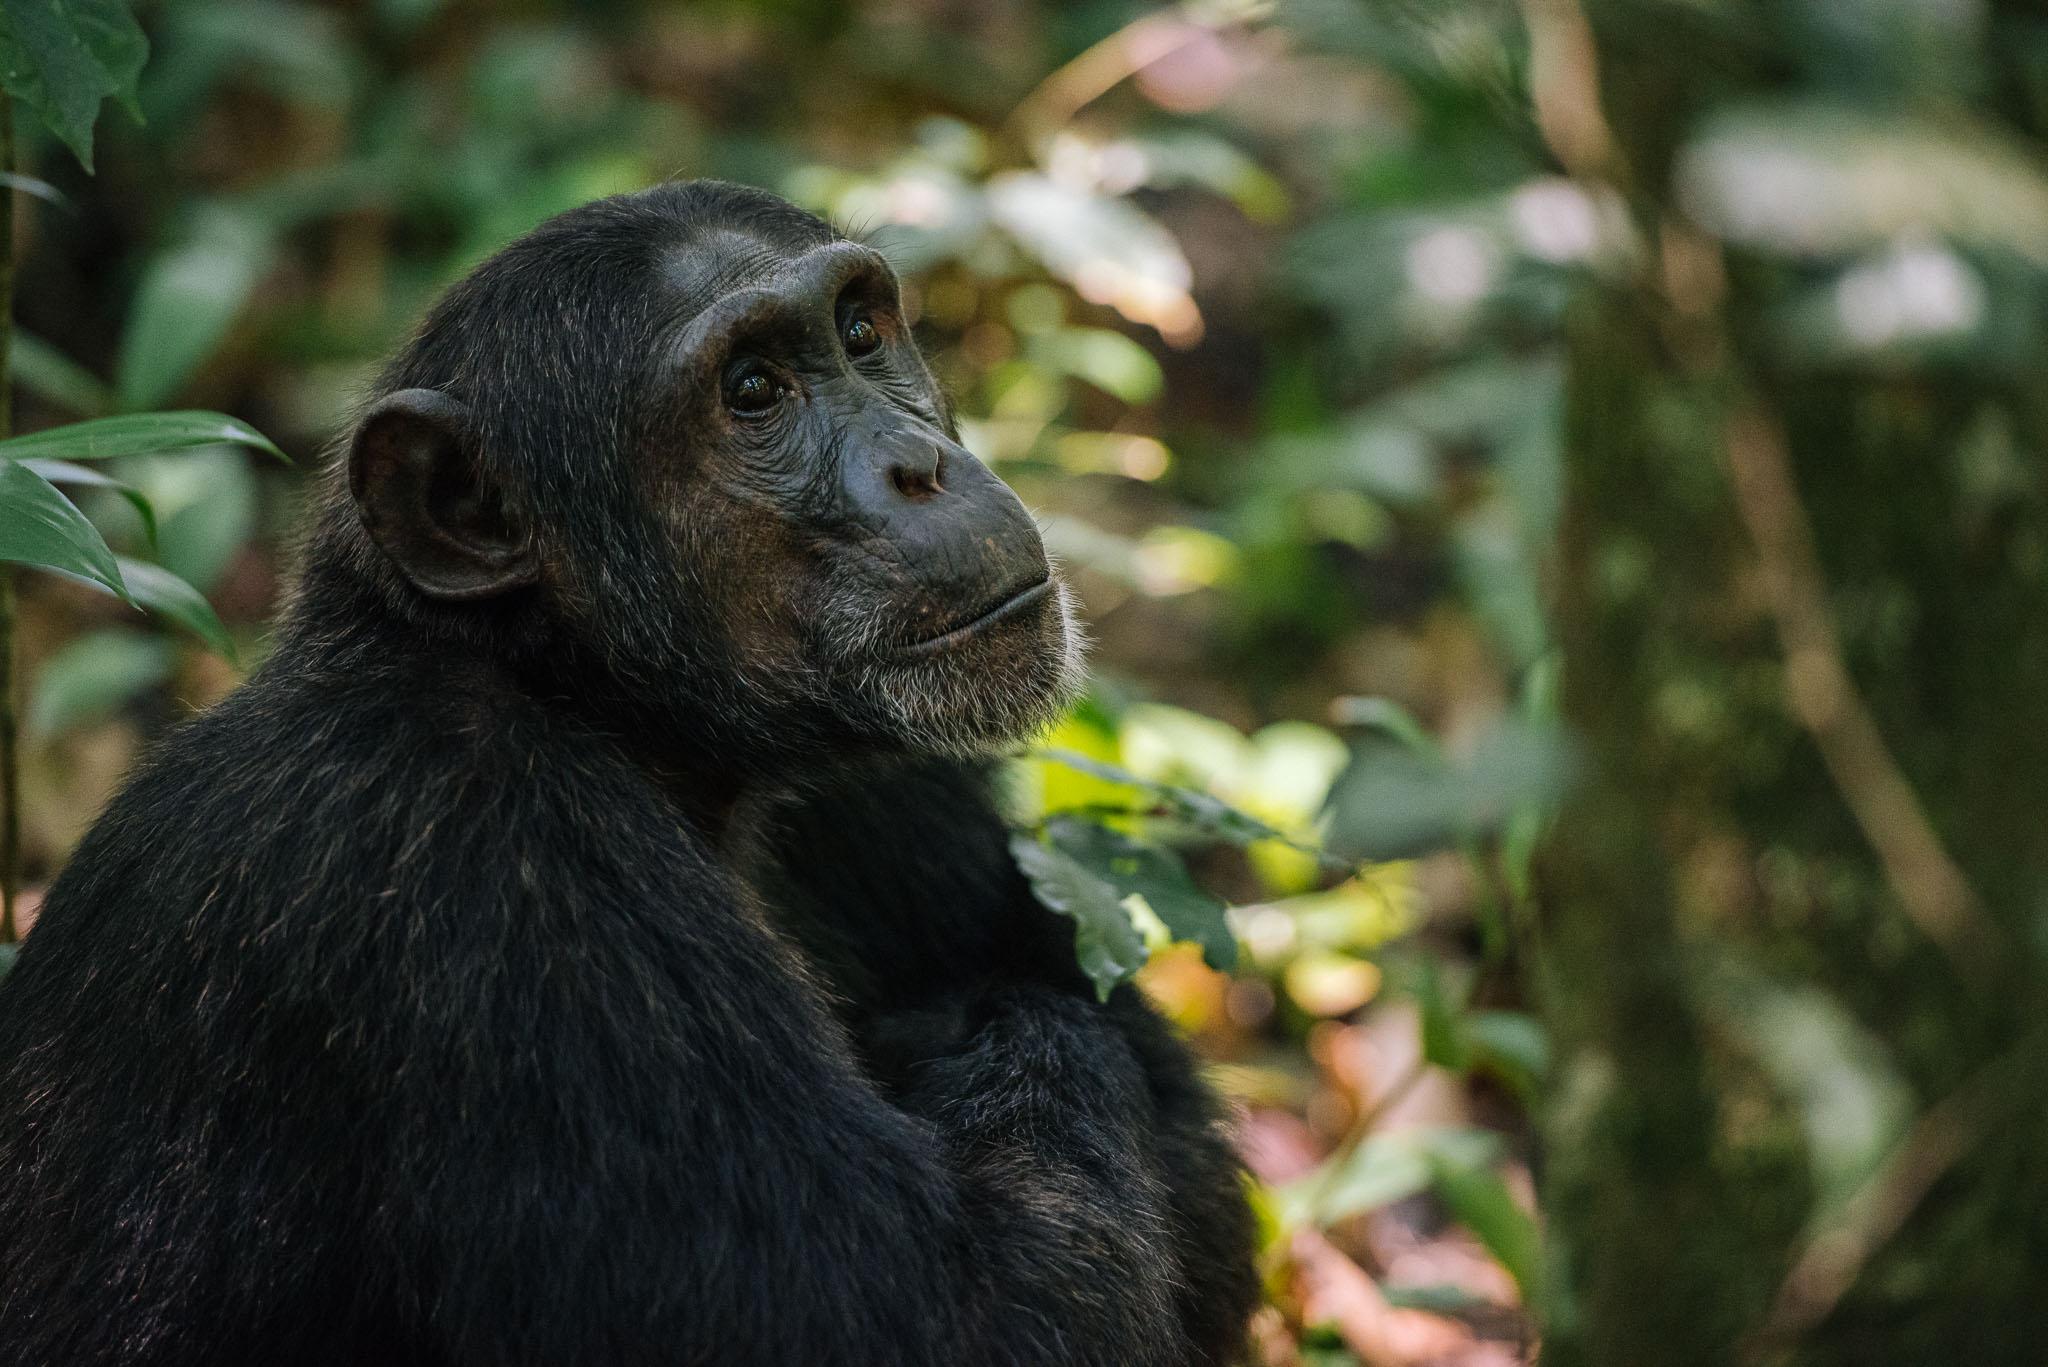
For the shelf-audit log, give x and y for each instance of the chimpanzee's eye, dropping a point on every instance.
(860, 336)
(751, 393)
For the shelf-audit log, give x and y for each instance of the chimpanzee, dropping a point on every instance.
(589, 937)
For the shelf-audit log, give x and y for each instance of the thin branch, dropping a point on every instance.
(1820, 692)
(1102, 67)
(1823, 698)
(1838, 1252)
(1564, 88)
(1363, 1127)
(10, 758)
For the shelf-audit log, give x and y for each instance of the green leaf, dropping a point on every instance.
(1381, 1169)
(94, 675)
(29, 185)
(163, 593)
(187, 299)
(64, 472)
(1389, 718)
(1393, 803)
(63, 57)
(1155, 874)
(1512, 1045)
(1443, 1027)
(1479, 1200)
(136, 434)
(1210, 815)
(39, 526)
(206, 498)
(1108, 360)
(1107, 945)
(49, 374)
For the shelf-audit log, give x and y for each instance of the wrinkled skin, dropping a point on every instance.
(582, 942)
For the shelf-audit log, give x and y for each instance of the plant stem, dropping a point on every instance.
(10, 759)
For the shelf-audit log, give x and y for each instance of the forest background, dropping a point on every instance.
(1556, 487)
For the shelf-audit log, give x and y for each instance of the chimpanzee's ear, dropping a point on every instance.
(413, 472)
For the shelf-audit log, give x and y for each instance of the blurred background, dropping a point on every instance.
(1557, 491)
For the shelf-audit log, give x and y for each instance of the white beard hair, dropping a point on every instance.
(940, 706)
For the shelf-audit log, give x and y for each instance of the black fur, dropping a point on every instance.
(426, 1002)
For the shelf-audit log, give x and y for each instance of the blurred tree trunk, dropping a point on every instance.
(1798, 908)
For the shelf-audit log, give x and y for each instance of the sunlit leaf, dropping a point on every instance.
(1192, 157)
(1817, 179)
(1041, 786)
(1106, 944)
(1155, 874)
(1841, 1083)
(94, 675)
(136, 434)
(1325, 982)
(1211, 815)
(39, 526)
(1108, 360)
(1111, 251)
(165, 594)
(62, 58)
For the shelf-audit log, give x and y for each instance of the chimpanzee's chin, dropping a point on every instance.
(986, 690)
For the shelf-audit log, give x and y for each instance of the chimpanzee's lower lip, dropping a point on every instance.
(1009, 607)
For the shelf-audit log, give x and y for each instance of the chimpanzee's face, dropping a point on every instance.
(860, 558)
(679, 449)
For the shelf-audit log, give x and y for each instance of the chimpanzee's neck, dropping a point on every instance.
(341, 622)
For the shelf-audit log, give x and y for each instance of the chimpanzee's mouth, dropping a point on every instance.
(1006, 607)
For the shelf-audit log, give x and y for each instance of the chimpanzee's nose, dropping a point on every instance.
(917, 470)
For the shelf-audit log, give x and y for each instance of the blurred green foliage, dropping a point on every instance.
(1459, 419)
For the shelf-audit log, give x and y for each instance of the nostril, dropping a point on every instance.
(915, 483)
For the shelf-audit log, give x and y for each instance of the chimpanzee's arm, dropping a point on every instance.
(900, 882)
(736, 1181)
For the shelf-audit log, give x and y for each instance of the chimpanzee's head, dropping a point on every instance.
(675, 455)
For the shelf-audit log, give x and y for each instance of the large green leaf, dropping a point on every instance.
(39, 526)
(63, 57)
(187, 299)
(1107, 945)
(65, 472)
(1396, 803)
(136, 434)
(1155, 874)
(93, 675)
(162, 592)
